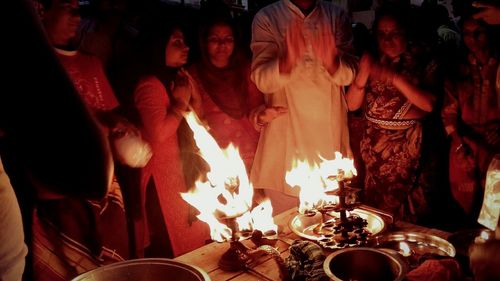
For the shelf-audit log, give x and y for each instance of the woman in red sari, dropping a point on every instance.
(393, 88)
(227, 94)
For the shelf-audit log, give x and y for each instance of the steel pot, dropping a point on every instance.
(155, 269)
(365, 264)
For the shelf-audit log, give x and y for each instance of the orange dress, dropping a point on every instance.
(165, 168)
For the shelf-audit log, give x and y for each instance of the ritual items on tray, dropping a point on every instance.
(329, 210)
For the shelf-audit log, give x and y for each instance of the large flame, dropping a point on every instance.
(315, 180)
(228, 192)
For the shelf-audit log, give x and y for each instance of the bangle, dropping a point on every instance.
(459, 147)
(260, 123)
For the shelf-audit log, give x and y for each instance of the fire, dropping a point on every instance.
(405, 249)
(228, 192)
(315, 180)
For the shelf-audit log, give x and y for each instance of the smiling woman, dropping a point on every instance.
(220, 45)
(227, 94)
(395, 88)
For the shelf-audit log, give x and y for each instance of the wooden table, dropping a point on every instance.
(265, 269)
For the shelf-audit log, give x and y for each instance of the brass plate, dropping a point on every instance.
(303, 225)
(421, 243)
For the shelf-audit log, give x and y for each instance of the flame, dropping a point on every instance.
(228, 192)
(405, 249)
(485, 235)
(319, 179)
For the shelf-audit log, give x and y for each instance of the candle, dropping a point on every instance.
(404, 249)
(482, 237)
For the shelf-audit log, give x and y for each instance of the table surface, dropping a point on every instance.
(207, 257)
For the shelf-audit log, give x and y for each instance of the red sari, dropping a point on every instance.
(227, 95)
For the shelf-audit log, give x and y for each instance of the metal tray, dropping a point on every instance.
(419, 243)
(303, 225)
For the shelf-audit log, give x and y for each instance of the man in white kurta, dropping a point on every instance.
(312, 39)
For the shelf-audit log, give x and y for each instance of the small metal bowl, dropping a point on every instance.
(365, 264)
(154, 269)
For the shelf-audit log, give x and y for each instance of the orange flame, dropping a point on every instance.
(315, 180)
(228, 192)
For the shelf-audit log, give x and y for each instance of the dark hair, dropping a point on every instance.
(204, 31)
(399, 13)
(492, 32)
(47, 4)
(151, 43)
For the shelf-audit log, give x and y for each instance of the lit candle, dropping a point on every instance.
(482, 237)
(404, 249)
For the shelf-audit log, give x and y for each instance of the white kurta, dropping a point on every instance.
(316, 122)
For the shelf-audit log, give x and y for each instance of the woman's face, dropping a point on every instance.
(474, 35)
(390, 37)
(176, 51)
(220, 44)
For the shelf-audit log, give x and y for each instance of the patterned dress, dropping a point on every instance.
(391, 145)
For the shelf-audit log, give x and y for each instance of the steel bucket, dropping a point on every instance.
(154, 269)
(365, 264)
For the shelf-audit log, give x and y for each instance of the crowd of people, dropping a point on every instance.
(418, 111)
